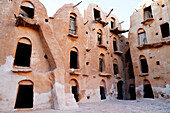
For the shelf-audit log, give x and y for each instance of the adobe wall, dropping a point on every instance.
(156, 49)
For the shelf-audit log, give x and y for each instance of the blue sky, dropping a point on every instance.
(123, 9)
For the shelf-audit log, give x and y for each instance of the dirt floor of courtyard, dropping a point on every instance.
(115, 106)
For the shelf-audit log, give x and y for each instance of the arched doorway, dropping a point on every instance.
(120, 90)
(23, 53)
(148, 93)
(103, 89)
(75, 89)
(74, 58)
(25, 95)
(132, 92)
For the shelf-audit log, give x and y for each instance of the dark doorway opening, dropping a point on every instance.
(24, 97)
(27, 12)
(132, 92)
(114, 46)
(75, 92)
(99, 35)
(102, 92)
(165, 30)
(148, 13)
(115, 69)
(120, 89)
(100, 65)
(22, 55)
(144, 66)
(148, 93)
(73, 60)
(96, 14)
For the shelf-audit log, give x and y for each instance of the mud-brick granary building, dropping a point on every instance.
(58, 61)
(149, 39)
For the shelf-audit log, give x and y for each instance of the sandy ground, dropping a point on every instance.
(116, 106)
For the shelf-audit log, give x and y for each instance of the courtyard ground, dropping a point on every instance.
(116, 106)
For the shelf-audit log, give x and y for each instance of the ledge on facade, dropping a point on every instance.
(74, 72)
(154, 45)
(156, 77)
(17, 69)
(147, 21)
(104, 23)
(118, 76)
(102, 46)
(86, 75)
(72, 35)
(88, 49)
(117, 31)
(105, 74)
(118, 52)
(26, 22)
(143, 74)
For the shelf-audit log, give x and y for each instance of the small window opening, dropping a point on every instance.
(72, 26)
(160, 18)
(46, 20)
(86, 32)
(163, 5)
(27, 10)
(148, 13)
(156, 33)
(45, 56)
(87, 63)
(112, 23)
(23, 53)
(96, 14)
(99, 36)
(127, 43)
(88, 97)
(157, 63)
(73, 60)
(114, 45)
(115, 68)
(107, 42)
(165, 30)
(144, 65)
(142, 37)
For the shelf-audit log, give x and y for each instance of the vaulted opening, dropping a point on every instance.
(99, 37)
(112, 22)
(74, 58)
(144, 64)
(101, 63)
(27, 10)
(132, 92)
(115, 67)
(142, 37)
(25, 95)
(120, 90)
(148, 13)
(114, 45)
(75, 89)
(72, 26)
(165, 30)
(102, 90)
(23, 53)
(148, 93)
(96, 14)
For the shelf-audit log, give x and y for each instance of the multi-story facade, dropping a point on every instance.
(57, 61)
(149, 39)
